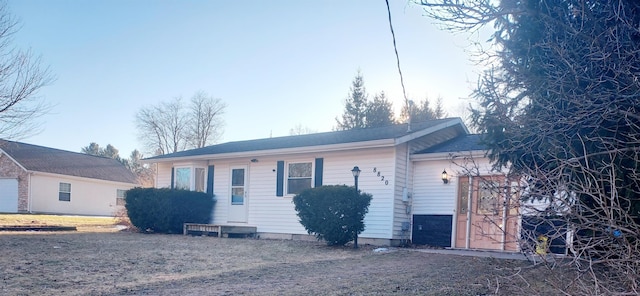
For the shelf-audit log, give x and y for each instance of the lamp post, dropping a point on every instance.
(356, 173)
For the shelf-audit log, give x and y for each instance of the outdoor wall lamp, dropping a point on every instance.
(445, 177)
(356, 173)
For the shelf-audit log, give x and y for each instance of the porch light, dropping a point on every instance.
(356, 173)
(445, 177)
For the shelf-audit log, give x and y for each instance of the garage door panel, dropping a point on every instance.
(8, 195)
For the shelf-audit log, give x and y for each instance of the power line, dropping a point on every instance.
(395, 48)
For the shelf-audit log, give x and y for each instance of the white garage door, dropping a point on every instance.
(8, 195)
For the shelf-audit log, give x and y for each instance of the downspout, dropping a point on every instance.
(29, 198)
(469, 197)
(407, 209)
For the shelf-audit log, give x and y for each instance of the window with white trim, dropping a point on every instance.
(299, 176)
(190, 178)
(183, 178)
(64, 192)
(199, 179)
(120, 195)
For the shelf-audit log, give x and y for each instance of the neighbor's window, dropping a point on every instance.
(120, 197)
(199, 180)
(64, 192)
(298, 177)
(183, 178)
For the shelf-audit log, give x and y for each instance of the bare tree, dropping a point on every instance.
(301, 130)
(21, 77)
(559, 109)
(206, 124)
(171, 127)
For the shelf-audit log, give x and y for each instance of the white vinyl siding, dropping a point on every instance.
(88, 196)
(433, 197)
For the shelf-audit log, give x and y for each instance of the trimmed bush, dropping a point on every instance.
(333, 213)
(166, 210)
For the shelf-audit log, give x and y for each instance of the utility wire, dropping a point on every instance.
(395, 48)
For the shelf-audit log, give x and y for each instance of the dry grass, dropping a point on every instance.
(82, 223)
(124, 263)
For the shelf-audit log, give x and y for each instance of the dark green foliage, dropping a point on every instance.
(333, 213)
(379, 112)
(165, 210)
(355, 108)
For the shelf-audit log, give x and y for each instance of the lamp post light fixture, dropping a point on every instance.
(445, 177)
(356, 173)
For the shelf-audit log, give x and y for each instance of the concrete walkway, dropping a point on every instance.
(475, 253)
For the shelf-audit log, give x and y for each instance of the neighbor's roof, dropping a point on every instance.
(55, 161)
(471, 142)
(318, 139)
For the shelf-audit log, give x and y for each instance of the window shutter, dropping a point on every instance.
(173, 172)
(280, 178)
(210, 180)
(318, 172)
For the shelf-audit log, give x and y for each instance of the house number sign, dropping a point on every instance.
(381, 176)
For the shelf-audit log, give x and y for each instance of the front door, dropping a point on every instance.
(238, 196)
(487, 221)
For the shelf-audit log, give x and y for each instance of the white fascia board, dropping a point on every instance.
(12, 159)
(70, 177)
(283, 151)
(424, 132)
(448, 155)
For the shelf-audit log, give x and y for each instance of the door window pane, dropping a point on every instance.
(237, 177)
(237, 186)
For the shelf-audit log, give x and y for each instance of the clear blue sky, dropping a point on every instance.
(276, 64)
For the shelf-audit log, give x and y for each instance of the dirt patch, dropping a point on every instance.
(143, 264)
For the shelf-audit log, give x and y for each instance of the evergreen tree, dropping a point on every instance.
(354, 115)
(379, 111)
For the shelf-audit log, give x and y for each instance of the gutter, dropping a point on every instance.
(274, 152)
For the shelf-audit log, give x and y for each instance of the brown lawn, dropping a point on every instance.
(126, 263)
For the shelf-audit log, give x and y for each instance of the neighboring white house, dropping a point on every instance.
(254, 181)
(36, 179)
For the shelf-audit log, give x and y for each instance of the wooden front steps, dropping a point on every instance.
(220, 230)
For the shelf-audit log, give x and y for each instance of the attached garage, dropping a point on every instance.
(8, 195)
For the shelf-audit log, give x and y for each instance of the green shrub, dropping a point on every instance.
(166, 210)
(333, 213)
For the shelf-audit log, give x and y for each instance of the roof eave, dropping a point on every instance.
(281, 151)
(426, 131)
(448, 155)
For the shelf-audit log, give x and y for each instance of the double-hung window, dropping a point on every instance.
(120, 194)
(299, 177)
(64, 192)
(190, 178)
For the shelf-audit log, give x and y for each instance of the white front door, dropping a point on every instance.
(238, 196)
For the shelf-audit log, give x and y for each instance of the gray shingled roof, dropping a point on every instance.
(327, 138)
(470, 142)
(49, 160)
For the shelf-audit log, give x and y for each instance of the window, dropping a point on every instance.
(120, 194)
(298, 177)
(199, 180)
(64, 192)
(237, 186)
(183, 178)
